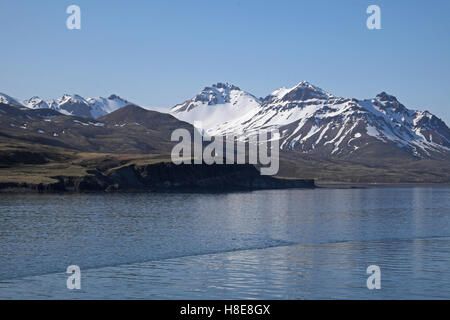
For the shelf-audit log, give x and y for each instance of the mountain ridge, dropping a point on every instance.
(71, 104)
(129, 130)
(314, 121)
(310, 119)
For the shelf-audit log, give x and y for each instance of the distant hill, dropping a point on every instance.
(71, 104)
(129, 130)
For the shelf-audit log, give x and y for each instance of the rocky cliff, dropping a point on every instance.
(165, 176)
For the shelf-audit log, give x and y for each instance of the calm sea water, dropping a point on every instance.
(284, 244)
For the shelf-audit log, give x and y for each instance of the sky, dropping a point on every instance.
(160, 53)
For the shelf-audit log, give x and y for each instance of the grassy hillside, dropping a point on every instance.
(369, 170)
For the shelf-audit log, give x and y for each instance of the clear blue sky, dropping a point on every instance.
(159, 53)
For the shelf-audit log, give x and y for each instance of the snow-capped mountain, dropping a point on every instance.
(102, 106)
(37, 103)
(310, 120)
(72, 104)
(4, 98)
(219, 108)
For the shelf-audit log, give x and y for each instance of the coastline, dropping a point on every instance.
(161, 177)
(33, 189)
(349, 185)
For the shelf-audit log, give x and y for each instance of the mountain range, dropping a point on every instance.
(96, 144)
(71, 104)
(313, 121)
(310, 120)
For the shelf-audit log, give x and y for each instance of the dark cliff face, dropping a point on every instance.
(166, 176)
(189, 177)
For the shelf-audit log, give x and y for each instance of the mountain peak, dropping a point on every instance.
(386, 102)
(36, 102)
(383, 96)
(115, 97)
(304, 83)
(218, 93)
(306, 90)
(6, 99)
(226, 85)
(300, 92)
(67, 96)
